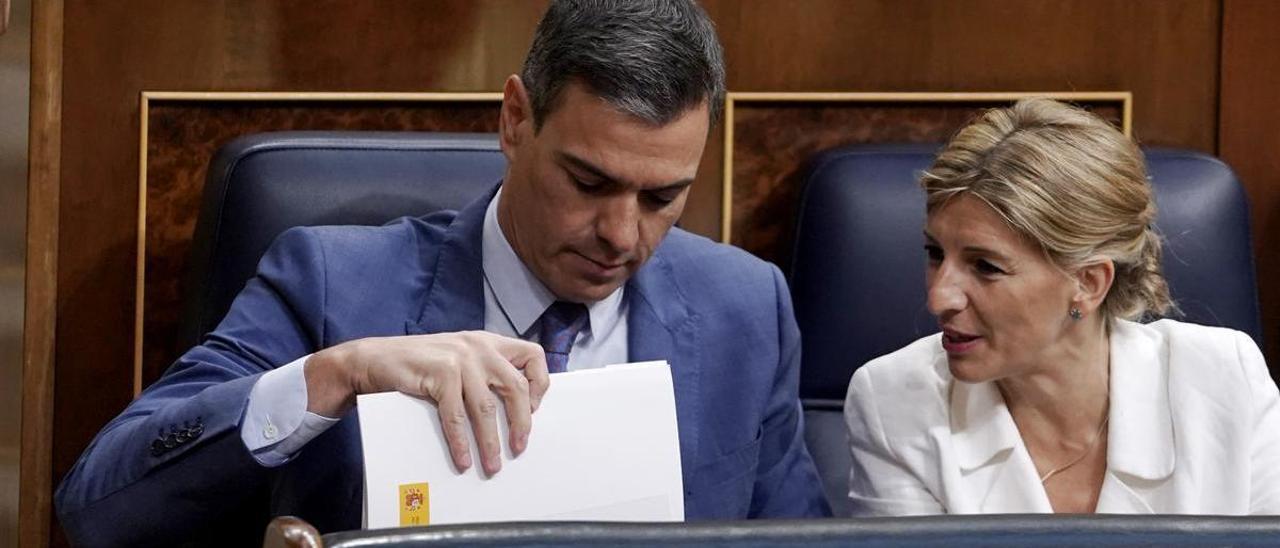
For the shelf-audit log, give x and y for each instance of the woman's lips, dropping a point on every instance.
(958, 342)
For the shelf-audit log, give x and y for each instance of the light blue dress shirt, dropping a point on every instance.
(277, 424)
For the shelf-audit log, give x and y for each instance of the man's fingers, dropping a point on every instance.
(532, 360)
(453, 420)
(512, 387)
(482, 408)
(539, 381)
(482, 364)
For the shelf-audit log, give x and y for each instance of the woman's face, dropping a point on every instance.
(1002, 306)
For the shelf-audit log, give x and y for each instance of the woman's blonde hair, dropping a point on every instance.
(1069, 181)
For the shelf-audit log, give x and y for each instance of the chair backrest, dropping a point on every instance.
(952, 531)
(858, 270)
(261, 185)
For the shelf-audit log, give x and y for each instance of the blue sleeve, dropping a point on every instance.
(787, 483)
(175, 456)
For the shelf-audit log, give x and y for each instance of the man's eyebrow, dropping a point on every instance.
(587, 167)
(673, 186)
(604, 176)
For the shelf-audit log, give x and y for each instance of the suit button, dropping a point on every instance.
(170, 441)
(157, 448)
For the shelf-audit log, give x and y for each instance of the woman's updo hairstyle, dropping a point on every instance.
(1069, 181)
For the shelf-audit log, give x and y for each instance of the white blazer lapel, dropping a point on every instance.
(1140, 450)
(996, 473)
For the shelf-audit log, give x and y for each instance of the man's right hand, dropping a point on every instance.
(460, 372)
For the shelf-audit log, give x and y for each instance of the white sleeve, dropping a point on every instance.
(879, 483)
(276, 422)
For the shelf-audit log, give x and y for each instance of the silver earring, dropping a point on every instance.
(1075, 314)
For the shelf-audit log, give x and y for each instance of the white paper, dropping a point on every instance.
(604, 447)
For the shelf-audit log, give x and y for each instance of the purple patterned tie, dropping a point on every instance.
(561, 324)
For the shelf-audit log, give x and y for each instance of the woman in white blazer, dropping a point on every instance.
(1041, 394)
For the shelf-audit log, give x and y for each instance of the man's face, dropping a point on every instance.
(589, 196)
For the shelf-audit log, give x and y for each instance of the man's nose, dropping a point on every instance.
(618, 224)
(946, 292)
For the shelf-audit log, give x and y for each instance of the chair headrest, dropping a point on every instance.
(261, 185)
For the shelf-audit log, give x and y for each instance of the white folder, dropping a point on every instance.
(604, 447)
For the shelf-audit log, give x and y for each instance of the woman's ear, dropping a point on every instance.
(1093, 281)
(515, 117)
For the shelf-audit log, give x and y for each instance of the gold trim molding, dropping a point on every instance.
(731, 100)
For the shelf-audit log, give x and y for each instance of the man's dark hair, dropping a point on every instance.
(652, 59)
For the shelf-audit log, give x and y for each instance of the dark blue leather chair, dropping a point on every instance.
(858, 270)
(261, 185)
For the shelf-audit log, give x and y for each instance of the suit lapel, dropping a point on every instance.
(660, 327)
(1140, 450)
(1014, 485)
(1119, 497)
(995, 468)
(455, 300)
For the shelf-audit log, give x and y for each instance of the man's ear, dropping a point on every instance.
(1093, 281)
(516, 117)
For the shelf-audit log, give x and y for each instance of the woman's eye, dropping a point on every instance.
(987, 268)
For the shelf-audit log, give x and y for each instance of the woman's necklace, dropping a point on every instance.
(1092, 443)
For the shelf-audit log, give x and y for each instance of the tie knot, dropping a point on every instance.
(561, 324)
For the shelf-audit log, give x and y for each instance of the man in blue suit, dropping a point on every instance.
(603, 132)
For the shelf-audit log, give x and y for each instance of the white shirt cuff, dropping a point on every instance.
(276, 421)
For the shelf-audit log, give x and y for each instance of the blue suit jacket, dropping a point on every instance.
(722, 318)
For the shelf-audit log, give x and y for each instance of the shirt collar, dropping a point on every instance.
(520, 294)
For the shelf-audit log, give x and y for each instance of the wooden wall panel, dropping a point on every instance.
(35, 488)
(1249, 137)
(1164, 51)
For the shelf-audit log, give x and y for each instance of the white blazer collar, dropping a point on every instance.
(1140, 442)
(994, 465)
(994, 462)
(981, 427)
